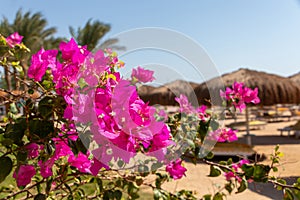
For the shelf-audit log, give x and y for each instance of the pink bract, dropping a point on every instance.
(239, 95)
(175, 169)
(32, 150)
(142, 75)
(81, 162)
(185, 105)
(40, 62)
(24, 174)
(227, 135)
(73, 53)
(46, 168)
(14, 39)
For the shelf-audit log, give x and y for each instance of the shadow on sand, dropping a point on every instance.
(270, 140)
(268, 190)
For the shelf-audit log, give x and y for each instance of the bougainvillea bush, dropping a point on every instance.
(84, 132)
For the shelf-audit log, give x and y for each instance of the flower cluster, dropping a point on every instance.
(175, 169)
(121, 123)
(239, 95)
(40, 63)
(142, 75)
(187, 108)
(236, 168)
(14, 39)
(223, 135)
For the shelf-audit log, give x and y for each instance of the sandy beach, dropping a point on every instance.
(264, 141)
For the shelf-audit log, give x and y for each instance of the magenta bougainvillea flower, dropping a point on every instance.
(71, 52)
(142, 75)
(239, 95)
(46, 168)
(24, 174)
(81, 162)
(227, 135)
(236, 167)
(185, 105)
(96, 166)
(61, 148)
(14, 39)
(32, 150)
(175, 169)
(40, 62)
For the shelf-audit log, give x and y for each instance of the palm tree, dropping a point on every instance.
(35, 31)
(32, 26)
(91, 35)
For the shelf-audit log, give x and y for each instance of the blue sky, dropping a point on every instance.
(261, 35)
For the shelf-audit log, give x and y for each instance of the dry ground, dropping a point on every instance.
(264, 142)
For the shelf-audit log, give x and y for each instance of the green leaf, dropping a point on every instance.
(288, 194)
(40, 197)
(276, 148)
(156, 194)
(229, 161)
(120, 163)
(156, 166)
(243, 186)
(41, 128)
(143, 170)
(229, 187)
(6, 167)
(282, 181)
(249, 170)
(80, 146)
(5, 141)
(46, 106)
(100, 184)
(191, 143)
(15, 63)
(210, 155)
(22, 156)
(19, 68)
(108, 194)
(30, 91)
(260, 173)
(49, 185)
(297, 194)
(13, 108)
(207, 197)
(117, 194)
(214, 171)
(16, 131)
(218, 196)
(47, 84)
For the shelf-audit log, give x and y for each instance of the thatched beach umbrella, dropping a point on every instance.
(273, 89)
(296, 78)
(165, 95)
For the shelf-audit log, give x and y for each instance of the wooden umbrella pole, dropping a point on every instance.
(248, 136)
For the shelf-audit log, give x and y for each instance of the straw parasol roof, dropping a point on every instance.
(296, 78)
(165, 95)
(273, 89)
